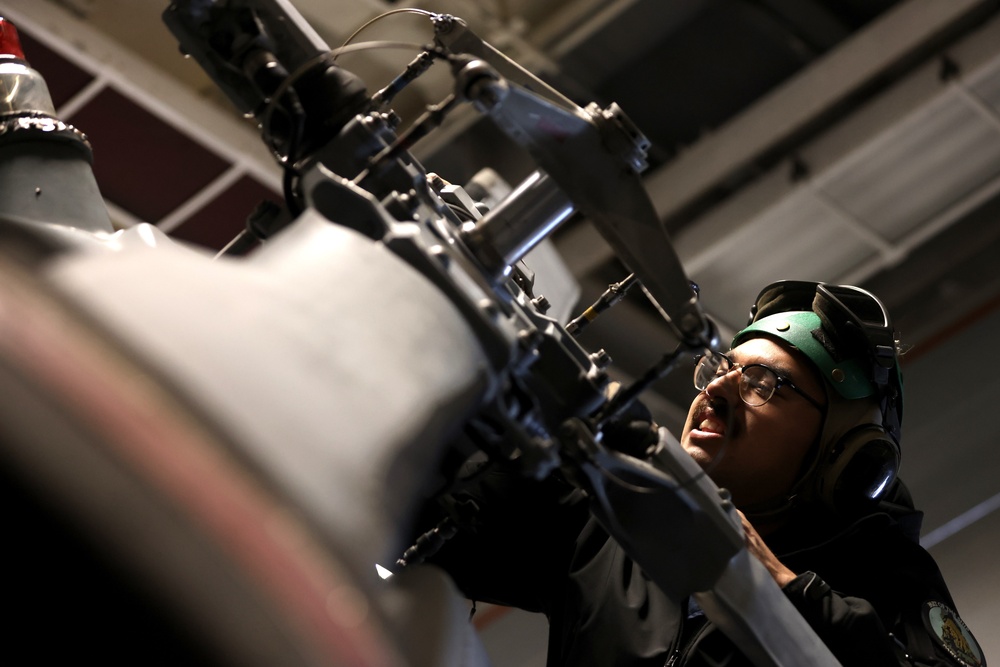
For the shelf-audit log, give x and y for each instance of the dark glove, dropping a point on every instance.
(633, 432)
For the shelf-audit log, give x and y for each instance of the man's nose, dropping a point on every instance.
(726, 385)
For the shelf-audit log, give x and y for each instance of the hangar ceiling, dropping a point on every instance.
(848, 141)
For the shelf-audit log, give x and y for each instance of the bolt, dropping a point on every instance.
(530, 339)
(541, 304)
(601, 358)
(489, 307)
(443, 23)
(435, 181)
(726, 499)
(440, 253)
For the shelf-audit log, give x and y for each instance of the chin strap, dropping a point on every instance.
(779, 511)
(782, 507)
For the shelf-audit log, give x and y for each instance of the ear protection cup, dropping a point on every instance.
(856, 460)
(858, 470)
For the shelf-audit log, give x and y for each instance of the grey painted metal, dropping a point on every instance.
(282, 352)
(45, 172)
(49, 179)
(522, 220)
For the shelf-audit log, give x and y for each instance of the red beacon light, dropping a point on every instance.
(24, 89)
(10, 41)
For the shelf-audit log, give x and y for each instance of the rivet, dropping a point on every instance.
(783, 326)
(837, 375)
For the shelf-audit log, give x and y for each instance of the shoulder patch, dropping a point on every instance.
(951, 632)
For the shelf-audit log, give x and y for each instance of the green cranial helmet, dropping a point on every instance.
(845, 331)
(847, 335)
(796, 328)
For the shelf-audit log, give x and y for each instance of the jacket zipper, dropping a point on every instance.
(684, 651)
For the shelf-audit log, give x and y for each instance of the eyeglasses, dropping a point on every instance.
(757, 381)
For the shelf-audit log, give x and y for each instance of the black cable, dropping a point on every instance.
(423, 126)
(417, 67)
(329, 58)
(429, 543)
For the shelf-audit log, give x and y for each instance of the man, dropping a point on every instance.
(800, 422)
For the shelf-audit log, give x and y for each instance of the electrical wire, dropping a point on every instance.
(369, 22)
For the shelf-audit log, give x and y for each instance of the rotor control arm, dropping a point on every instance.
(561, 137)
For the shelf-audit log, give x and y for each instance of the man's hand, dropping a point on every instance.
(634, 432)
(755, 545)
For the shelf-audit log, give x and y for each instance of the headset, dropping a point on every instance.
(847, 334)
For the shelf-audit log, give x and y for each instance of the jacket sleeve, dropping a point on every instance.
(849, 626)
(519, 542)
(900, 614)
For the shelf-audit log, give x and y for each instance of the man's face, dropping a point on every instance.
(755, 452)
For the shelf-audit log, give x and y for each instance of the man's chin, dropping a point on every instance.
(707, 440)
(701, 448)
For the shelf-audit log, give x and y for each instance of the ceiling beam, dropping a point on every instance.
(798, 104)
(128, 73)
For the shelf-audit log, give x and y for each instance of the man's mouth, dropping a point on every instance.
(710, 420)
(712, 424)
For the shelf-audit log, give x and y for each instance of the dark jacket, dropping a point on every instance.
(868, 589)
